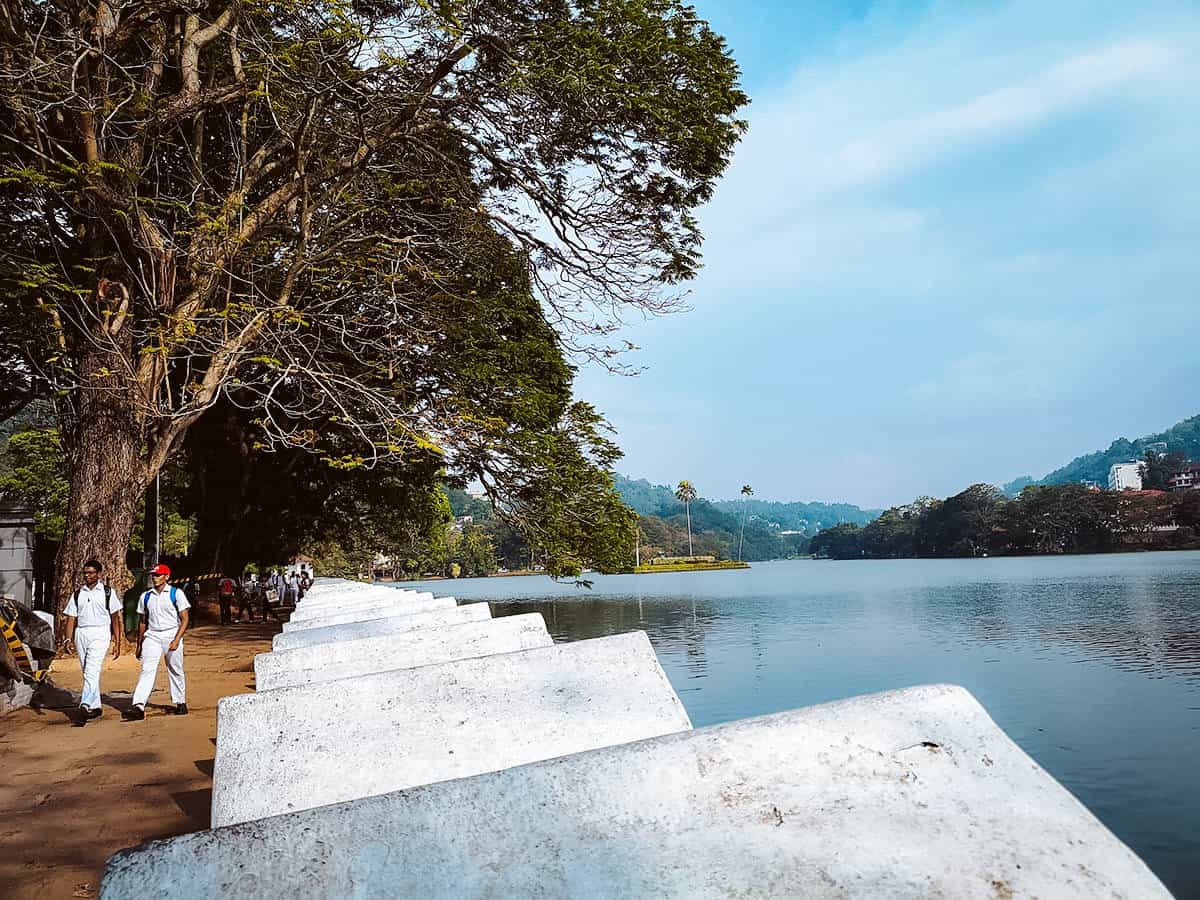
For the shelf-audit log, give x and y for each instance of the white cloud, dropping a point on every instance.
(937, 238)
(997, 113)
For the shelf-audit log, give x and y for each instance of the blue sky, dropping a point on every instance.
(960, 243)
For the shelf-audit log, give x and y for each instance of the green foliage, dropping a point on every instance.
(35, 467)
(716, 526)
(472, 551)
(1159, 468)
(648, 499)
(374, 228)
(981, 521)
(1183, 438)
(694, 565)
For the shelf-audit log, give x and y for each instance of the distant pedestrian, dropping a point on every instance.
(163, 612)
(226, 588)
(245, 598)
(265, 588)
(93, 620)
(293, 589)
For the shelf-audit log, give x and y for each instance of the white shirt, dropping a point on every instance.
(90, 609)
(159, 611)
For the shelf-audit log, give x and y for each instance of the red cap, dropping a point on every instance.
(161, 569)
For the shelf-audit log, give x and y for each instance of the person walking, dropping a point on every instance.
(163, 612)
(293, 589)
(264, 589)
(93, 619)
(245, 599)
(226, 588)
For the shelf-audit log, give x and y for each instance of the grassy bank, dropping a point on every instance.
(692, 565)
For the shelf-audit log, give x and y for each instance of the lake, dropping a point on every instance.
(1090, 663)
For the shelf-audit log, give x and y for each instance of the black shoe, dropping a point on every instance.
(81, 717)
(133, 714)
(181, 709)
(95, 713)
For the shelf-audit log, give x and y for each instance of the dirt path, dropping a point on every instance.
(71, 796)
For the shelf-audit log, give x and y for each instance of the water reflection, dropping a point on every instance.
(1092, 664)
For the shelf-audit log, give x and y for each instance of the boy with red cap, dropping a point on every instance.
(163, 618)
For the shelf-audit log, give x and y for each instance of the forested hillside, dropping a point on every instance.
(651, 499)
(716, 525)
(1181, 438)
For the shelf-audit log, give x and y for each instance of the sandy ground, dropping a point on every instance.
(71, 797)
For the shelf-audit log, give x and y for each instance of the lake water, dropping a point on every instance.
(1090, 663)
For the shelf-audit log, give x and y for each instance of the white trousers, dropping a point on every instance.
(91, 644)
(154, 648)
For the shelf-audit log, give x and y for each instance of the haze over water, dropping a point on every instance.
(1090, 663)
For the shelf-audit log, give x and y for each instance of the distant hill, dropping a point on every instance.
(1181, 438)
(648, 499)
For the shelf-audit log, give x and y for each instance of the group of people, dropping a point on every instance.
(94, 617)
(94, 621)
(288, 590)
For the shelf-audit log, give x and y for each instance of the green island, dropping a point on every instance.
(688, 564)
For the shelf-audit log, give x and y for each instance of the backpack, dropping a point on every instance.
(171, 593)
(227, 583)
(107, 599)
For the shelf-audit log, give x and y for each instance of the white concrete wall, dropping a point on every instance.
(304, 637)
(910, 794)
(315, 595)
(406, 650)
(299, 747)
(355, 602)
(381, 610)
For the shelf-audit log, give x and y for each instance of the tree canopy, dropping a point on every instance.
(375, 227)
(981, 521)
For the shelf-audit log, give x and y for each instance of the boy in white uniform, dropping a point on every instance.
(163, 618)
(93, 618)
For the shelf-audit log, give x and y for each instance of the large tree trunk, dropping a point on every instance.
(108, 472)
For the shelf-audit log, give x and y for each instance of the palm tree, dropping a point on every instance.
(685, 494)
(746, 492)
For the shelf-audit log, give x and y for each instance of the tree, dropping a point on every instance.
(276, 205)
(1159, 468)
(685, 493)
(839, 542)
(35, 476)
(746, 492)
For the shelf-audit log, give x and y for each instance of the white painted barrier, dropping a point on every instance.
(330, 601)
(909, 794)
(381, 610)
(300, 747)
(350, 590)
(355, 602)
(348, 631)
(406, 650)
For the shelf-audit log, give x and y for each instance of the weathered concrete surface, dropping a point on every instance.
(332, 601)
(841, 800)
(349, 595)
(357, 601)
(306, 637)
(380, 610)
(407, 650)
(299, 747)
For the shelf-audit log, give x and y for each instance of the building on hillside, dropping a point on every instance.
(1125, 477)
(1187, 479)
(1158, 447)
